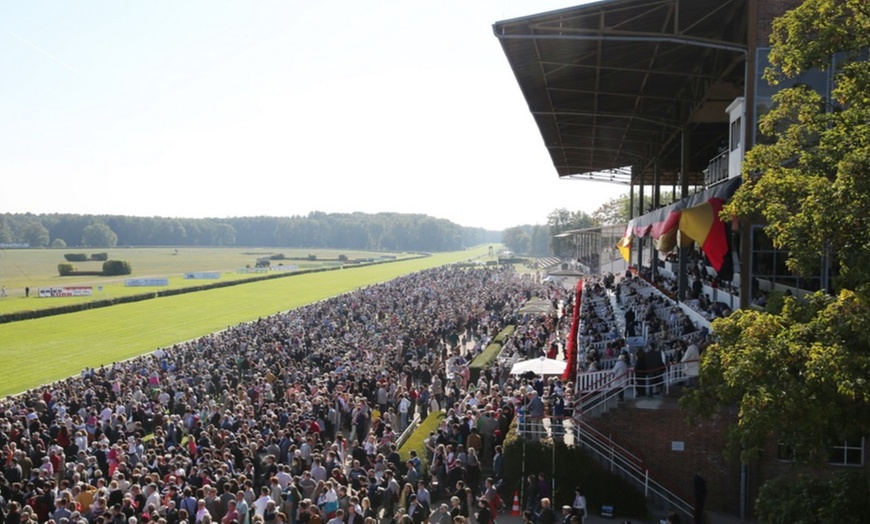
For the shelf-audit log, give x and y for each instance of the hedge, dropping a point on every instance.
(574, 467)
(490, 353)
(417, 440)
(841, 498)
(116, 267)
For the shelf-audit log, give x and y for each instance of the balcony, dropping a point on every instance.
(717, 169)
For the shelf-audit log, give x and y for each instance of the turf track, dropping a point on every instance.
(43, 350)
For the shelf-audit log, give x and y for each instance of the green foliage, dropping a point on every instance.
(35, 234)
(618, 210)
(799, 376)
(775, 302)
(574, 467)
(58, 243)
(65, 269)
(528, 240)
(810, 183)
(99, 235)
(117, 267)
(561, 220)
(490, 353)
(75, 257)
(517, 239)
(99, 256)
(346, 231)
(798, 373)
(806, 500)
(417, 440)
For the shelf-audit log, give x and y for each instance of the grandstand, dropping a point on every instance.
(659, 95)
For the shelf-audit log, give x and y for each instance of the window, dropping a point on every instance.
(848, 453)
(784, 453)
(736, 134)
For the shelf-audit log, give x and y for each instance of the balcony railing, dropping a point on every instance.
(717, 169)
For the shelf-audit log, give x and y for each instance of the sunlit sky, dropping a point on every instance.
(217, 108)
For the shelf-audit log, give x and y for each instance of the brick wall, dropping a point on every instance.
(652, 435)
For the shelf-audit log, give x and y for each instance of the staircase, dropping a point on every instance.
(611, 455)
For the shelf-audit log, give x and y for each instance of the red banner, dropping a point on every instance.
(571, 345)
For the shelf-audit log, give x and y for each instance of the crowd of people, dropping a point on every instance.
(698, 278)
(637, 335)
(289, 419)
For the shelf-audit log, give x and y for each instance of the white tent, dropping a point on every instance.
(539, 366)
(536, 305)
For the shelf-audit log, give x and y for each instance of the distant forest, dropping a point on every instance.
(381, 231)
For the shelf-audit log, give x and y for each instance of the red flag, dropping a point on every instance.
(571, 345)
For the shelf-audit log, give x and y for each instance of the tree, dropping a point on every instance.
(225, 235)
(58, 243)
(99, 235)
(517, 240)
(840, 499)
(811, 182)
(562, 220)
(539, 244)
(35, 234)
(614, 211)
(799, 374)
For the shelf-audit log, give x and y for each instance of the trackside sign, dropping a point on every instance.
(68, 291)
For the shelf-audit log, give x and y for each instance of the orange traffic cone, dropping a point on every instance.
(515, 509)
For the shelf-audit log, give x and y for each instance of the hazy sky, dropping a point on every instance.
(217, 108)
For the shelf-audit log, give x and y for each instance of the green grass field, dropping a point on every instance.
(34, 268)
(42, 350)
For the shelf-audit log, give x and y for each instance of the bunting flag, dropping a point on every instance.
(703, 225)
(570, 373)
(624, 246)
(693, 219)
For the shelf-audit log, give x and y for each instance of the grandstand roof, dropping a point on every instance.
(612, 84)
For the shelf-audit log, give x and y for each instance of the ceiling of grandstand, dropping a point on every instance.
(614, 83)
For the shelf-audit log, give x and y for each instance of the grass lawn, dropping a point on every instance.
(42, 350)
(34, 268)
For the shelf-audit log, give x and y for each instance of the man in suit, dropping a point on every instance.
(629, 323)
(655, 369)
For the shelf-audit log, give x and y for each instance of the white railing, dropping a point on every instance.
(662, 378)
(627, 465)
(717, 169)
(617, 458)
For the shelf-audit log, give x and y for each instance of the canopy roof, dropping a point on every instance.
(539, 366)
(536, 305)
(614, 83)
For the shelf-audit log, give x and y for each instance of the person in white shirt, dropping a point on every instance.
(263, 501)
(579, 505)
(404, 407)
(690, 361)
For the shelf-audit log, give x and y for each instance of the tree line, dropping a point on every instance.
(361, 231)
